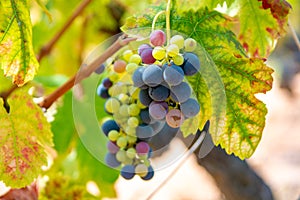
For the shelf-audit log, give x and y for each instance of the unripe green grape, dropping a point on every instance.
(112, 105)
(131, 131)
(159, 53)
(135, 58)
(134, 92)
(190, 45)
(131, 139)
(141, 170)
(131, 152)
(127, 161)
(131, 67)
(123, 110)
(113, 77)
(122, 142)
(133, 122)
(172, 50)
(124, 98)
(134, 109)
(121, 156)
(127, 54)
(178, 40)
(113, 135)
(178, 60)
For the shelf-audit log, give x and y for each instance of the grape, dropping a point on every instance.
(190, 108)
(135, 58)
(102, 92)
(131, 67)
(121, 156)
(178, 60)
(159, 53)
(153, 75)
(143, 47)
(137, 77)
(120, 66)
(173, 75)
(191, 64)
(128, 172)
(149, 175)
(144, 131)
(159, 93)
(174, 118)
(147, 57)
(178, 40)
(133, 122)
(172, 50)
(142, 148)
(100, 69)
(109, 125)
(134, 109)
(158, 110)
(131, 139)
(127, 54)
(144, 97)
(130, 131)
(145, 116)
(124, 98)
(110, 160)
(112, 105)
(107, 83)
(113, 135)
(117, 89)
(157, 38)
(112, 147)
(123, 110)
(150, 153)
(180, 93)
(131, 153)
(190, 45)
(141, 170)
(122, 142)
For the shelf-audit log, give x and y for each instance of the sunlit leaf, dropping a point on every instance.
(24, 134)
(17, 57)
(190, 126)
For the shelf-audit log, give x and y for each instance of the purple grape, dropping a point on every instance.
(143, 47)
(142, 148)
(107, 83)
(112, 147)
(158, 110)
(147, 57)
(157, 38)
(111, 160)
(102, 92)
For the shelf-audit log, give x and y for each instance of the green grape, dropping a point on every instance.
(131, 67)
(190, 45)
(117, 89)
(112, 105)
(131, 152)
(172, 50)
(113, 77)
(159, 53)
(178, 60)
(134, 92)
(123, 110)
(127, 54)
(135, 58)
(127, 161)
(131, 131)
(133, 122)
(121, 156)
(141, 170)
(113, 135)
(131, 139)
(122, 142)
(178, 40)
(124, 98)
(134, 109)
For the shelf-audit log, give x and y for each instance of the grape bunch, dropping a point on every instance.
(147, 96)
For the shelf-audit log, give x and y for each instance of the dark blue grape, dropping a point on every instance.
(149, 175)
(102, 92)
(144, 97)
(173, 75)
(109, 125)
(152, 75)
(190, 108)
(128, 172)
(137, 78)
(107, 83)
(159, 93)
(191, 64)
(110, 160)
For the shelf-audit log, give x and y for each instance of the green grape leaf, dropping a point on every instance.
(185, 5)
(228, 80)
(17, 56)
(24, 134)
(190, 126)
(260, 28)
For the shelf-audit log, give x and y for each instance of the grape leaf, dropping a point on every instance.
(190, 126)
(17, 56)
(185, 5)
(24, 134)
(223, 59)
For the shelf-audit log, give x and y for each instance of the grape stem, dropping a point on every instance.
(294, 34)
(86, 71)
(168, 21)
(187, 154)
(155, 19)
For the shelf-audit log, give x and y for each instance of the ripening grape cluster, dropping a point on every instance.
(146, 94)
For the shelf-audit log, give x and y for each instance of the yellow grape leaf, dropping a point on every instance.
(190, 126)
(24, 134)
(17, 56)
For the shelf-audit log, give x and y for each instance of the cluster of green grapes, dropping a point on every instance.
(146, 94)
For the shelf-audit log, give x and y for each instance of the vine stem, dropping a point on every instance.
(186, 155)
(155, 19)
(86, 71)
(168, 22)
(46, 49)
(294, 34)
